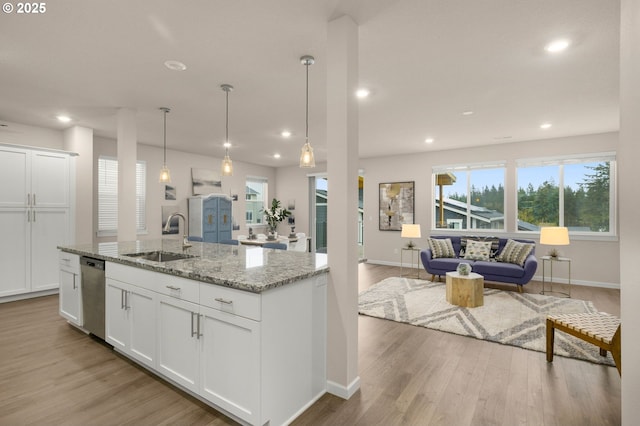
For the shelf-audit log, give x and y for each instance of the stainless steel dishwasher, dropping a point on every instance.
(93, 283)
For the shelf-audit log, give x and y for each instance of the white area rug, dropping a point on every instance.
(507, 317)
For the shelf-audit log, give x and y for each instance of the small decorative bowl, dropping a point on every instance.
(464, 268)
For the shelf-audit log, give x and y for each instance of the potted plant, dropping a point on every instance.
(273, 216)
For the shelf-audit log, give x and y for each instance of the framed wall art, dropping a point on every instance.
(397, 203)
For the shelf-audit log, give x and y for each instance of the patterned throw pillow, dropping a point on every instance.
(441, 247)
(477, 250)
(515, 252)
(495, 244)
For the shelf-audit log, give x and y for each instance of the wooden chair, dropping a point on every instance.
(600, 329)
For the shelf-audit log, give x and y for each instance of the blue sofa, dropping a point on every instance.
(490, 270)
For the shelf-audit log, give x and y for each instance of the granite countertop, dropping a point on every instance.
(241, 267)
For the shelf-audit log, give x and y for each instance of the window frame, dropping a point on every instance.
(566, 160)
(258, 217)
(468, 168)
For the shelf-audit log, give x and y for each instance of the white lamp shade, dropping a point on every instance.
(410, 231)
(554, 236)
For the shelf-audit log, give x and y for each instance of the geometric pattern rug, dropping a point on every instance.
(507, 317)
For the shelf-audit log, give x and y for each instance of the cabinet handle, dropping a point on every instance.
(121, 299)
(34, 199)
(74, 281)
(29, 199)
(221, 300)
(34, 215)
(171, 287)
(193, 331)
(28, 216)
(198, 333)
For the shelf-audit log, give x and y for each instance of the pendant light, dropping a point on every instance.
(165, 174)
(227, 165)
(306, 155)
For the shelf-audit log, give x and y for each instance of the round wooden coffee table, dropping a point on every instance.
(465, 290)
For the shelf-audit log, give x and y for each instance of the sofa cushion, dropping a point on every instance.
(441, 247)
(498, 269)
(495, 245)
(447, 263)
(477, 250)
(515, 252)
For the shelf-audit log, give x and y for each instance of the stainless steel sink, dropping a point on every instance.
(160, 256)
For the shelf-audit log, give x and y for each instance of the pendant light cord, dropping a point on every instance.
(227, 126)
(165, 136)
(307, 106)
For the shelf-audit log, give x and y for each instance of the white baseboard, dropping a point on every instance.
(28, 295)
(341, 391)
(304, 408)
(536, 278)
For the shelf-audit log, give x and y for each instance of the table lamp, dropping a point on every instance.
(410, 231)
(554, 236)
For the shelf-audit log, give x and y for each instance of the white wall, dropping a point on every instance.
(180, 164)
(593, 262)
(20, 134)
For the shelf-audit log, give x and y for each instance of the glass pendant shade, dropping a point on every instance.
(227, 166)
(165, 174)
(307, 159)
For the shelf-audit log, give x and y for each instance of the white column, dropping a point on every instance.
(127, 155)
(80, 140)
(629, 206)
(342, 229)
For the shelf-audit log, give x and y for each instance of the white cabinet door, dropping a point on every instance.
(49, 180)
(230, 363)
(15, 175)
(70, 299)
(14, 252)
(141, 307)
(116, 316)
(130, 320)
(49, 229)
(178, 339)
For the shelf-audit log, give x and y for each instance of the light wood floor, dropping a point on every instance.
(52, 374)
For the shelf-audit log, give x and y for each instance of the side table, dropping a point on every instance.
(465, 290)
(551, 260)
(412, 251)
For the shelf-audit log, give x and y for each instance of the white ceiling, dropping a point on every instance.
(425, 62)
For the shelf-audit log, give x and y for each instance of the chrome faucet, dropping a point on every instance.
(185, 239)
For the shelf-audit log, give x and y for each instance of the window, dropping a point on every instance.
(108, 196)
(256, 195)
(572, 192)
(469, 197)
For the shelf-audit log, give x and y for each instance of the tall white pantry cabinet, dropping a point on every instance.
(37, 193)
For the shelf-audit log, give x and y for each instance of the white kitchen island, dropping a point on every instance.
(241, 328)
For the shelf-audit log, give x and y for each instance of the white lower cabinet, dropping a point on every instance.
(230, 363)
(70, 290)
(257, 357)
(130, 323)
(178, 341)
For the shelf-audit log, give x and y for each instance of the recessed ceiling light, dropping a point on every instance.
(362, 93)
(545, 125)
(63, 118)
(227, 144)
(276, 155)
(428, 140)
(467, 112)
(175, 65)
(285, 133)
(557, 46)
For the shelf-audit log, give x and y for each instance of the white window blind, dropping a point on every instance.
(108, 196)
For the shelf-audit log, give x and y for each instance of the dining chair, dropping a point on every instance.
(278, 246)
